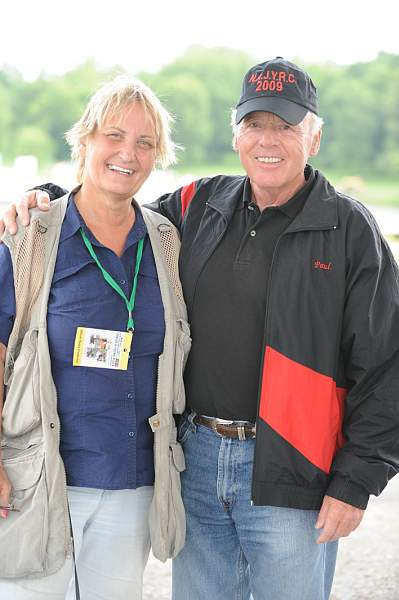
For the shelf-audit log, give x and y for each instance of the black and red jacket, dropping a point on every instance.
(328, 412)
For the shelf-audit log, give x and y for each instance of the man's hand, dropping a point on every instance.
(21, 208)
(337, 519)
(5, 492)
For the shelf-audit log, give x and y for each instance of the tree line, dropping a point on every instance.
(358, 102)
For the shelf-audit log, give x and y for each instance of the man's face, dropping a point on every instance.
(274, 154)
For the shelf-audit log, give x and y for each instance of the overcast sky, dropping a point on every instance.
(55, 36)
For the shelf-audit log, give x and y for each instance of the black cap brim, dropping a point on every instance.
(288, 111)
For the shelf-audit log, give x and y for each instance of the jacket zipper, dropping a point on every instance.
(266, 324)
(208, 254)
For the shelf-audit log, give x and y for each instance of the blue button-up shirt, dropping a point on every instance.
(106, 441)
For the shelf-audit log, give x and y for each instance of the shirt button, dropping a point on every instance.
(130, 395)
(131, 433)
(123, 281)
(251, 207)
(252, 233)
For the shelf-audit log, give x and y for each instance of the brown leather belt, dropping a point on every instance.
(234, 430)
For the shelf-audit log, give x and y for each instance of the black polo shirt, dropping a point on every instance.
(228, 313)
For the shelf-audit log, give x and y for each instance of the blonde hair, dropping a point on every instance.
(108, 102)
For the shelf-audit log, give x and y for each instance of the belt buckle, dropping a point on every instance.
(241, 432)
(214, 426)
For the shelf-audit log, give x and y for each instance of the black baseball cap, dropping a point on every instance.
(280, 87)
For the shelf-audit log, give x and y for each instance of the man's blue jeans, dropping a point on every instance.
(234, 549)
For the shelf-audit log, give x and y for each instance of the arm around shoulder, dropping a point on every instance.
(39, 197)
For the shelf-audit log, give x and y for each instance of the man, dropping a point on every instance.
(292, 382)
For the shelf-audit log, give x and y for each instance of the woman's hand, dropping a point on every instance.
(5, 492)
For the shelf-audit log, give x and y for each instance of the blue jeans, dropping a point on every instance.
(112, 544)
(234, 549)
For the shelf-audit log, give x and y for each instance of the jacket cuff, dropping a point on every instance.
(54, 191)
(347, 491)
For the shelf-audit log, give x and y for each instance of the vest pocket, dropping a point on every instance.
(24, 534)
(167, 519)
(176, 521)
(21, 412)
(183, 345)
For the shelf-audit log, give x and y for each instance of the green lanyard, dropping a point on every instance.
(111, 281)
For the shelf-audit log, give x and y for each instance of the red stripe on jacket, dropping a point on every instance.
(187, 194)
(303, 406)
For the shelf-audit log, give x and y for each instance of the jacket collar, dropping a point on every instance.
(320, 210)
(229, 191)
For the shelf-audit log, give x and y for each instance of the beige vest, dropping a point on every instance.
(38, 538)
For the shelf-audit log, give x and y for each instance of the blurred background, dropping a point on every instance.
(53, 57)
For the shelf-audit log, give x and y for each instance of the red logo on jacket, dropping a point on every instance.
(317, 264)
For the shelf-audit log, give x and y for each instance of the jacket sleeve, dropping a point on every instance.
(53, 190)
(369, 456)
(175, 205)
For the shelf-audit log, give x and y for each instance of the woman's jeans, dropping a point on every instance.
(234, 549)
(112, 544)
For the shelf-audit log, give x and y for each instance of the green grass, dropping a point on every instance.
(368, 189)
(381, 191)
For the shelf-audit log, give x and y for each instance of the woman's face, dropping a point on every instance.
(120, 155)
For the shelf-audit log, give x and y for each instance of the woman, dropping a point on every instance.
(93, 345)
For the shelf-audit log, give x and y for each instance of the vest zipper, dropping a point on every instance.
(68, 528)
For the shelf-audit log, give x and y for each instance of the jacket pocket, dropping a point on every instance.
(183, 345)
(21, 412)
(24, 534)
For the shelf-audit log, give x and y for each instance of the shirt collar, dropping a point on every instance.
(294, 204)
(73, 221)
(246, 195)
(139, 229)
(297, 202)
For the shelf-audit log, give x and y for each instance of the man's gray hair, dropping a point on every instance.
(316, 124)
